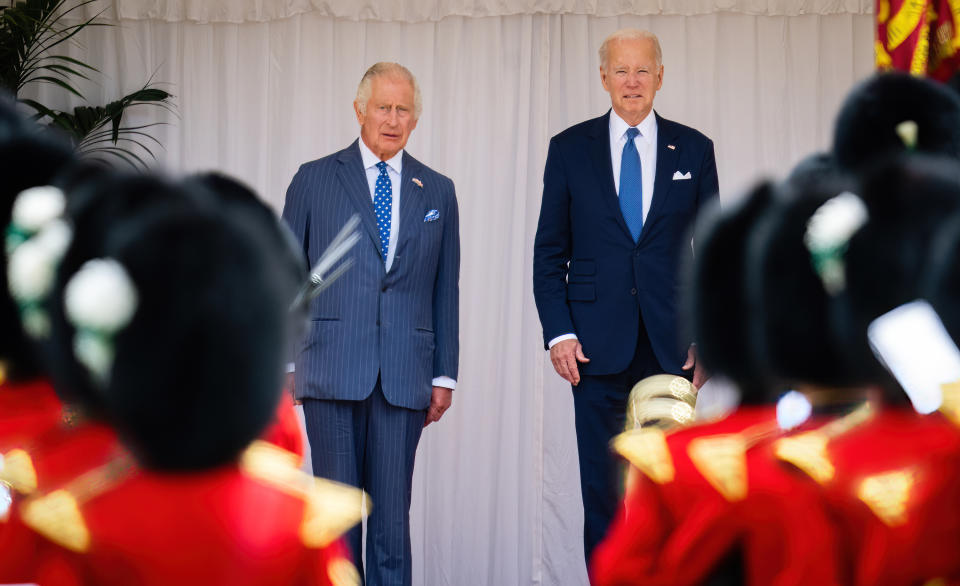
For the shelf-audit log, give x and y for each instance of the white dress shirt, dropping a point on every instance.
(646, 143)
(394, 171)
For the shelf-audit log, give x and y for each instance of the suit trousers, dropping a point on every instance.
(371, 444)
(600, 411)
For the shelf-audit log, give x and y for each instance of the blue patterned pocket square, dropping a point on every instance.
(432, 216)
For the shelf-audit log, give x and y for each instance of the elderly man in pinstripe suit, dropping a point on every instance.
(379, 362)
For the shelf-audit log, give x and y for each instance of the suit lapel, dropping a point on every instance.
(353, 178)
(666, 165)
(603, 169)
(411, 204)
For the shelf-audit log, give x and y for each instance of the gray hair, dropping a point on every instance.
(387, 68)
(629, 34)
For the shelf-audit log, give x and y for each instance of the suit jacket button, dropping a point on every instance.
(384, 289)
(633, 291)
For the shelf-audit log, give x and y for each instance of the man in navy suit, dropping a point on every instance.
(380, 360)
(619, 195)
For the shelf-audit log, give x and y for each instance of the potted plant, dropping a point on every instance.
(31, 31)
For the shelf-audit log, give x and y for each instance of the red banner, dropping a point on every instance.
(918, 36)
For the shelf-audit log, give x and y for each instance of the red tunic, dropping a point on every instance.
(894, 491)
(725, 497)
(259, 522)
(62, 453)
(284, 431)
(26, 410)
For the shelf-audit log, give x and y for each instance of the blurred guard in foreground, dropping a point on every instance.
(890, 484)
(716, 507)
(170, 315)
(27, 402)
(658, 536)
(284, 430)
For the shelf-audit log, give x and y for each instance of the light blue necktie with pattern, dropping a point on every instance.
(631, 185)
(383, 206)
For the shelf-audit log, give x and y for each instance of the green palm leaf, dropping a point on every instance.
(30, 30)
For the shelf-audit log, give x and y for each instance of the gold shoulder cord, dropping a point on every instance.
(331, 508)
(57, 515)
(722, 459)
(808, 451)
(950, 407)
(888, 494)
(17, 471)
(342, 572)
(646, 449)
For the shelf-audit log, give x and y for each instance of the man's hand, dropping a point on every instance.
(439, 403)
(564, 356)
(700, 374)
(288, 387)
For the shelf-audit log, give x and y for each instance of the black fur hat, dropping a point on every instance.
(866, 127)
(718, 304)
(28, 158)
(230, 194)
(791, 330)
(813, 170)
(907, 198)
(95, 208)
(196, 372)
(941, 284)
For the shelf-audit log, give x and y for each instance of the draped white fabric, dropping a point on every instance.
(496, 498)
(422, 10)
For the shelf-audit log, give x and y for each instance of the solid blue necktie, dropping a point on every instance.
(383, 206)
(631, 185)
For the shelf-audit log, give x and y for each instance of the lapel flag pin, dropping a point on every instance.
(418, 182)
(671, 147)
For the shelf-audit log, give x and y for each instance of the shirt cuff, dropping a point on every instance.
(445, 382)
(291, 367)
(559, 339)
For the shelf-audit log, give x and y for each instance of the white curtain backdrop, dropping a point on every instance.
(238, 11)
(496, 498)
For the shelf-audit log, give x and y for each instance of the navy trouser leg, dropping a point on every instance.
(600, 407)
(392, 437)
(336, 431)
(371, 444)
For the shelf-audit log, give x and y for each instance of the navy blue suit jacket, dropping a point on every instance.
(589, 277)
(402, 324)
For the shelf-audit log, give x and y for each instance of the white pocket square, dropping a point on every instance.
(432, 216)
(678, 176)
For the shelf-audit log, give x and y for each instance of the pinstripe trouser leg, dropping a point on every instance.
(371, 444)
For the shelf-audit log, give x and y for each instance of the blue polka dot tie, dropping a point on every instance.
(631, 186)
(383, 206)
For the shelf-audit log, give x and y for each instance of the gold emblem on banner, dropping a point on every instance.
(905, 22)
(883, 11)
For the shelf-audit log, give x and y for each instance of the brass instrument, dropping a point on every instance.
(664, 401)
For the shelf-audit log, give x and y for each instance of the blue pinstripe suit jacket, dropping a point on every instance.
(402, 324)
